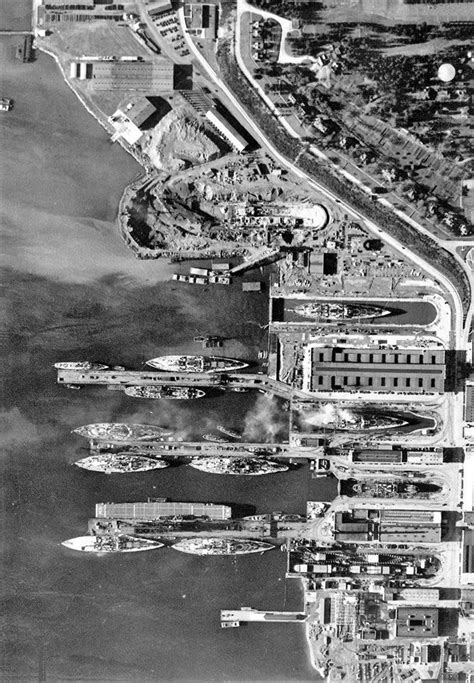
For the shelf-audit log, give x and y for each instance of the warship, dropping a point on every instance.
(111, 543)
(339, 311)
(120, 463)
(240, 466)
(382, 489)
(80, 365)
(164, 391)
(117, 431)
(351, 421)
(229, 432)
(196, 363)
(215, 438)
(221, 546)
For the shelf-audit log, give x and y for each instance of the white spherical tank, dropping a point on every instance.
(446, 72)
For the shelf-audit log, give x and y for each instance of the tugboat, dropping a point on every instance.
(339, 311)
(117, 431)
(120, 463)
(221, 546)
(111, 543)
(80, 365)
(196, 364)
(164, 391)
(240, 466)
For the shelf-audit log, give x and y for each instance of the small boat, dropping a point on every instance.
(110, 543)
(215, 438)
(239, 466)
(164, 391)
(80, 365)
(118, 431)
(6, 104)
(196, 364)
(229, 432)
(120, 463)
(221, 546)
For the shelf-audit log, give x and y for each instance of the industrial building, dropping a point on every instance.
(59, 11)
(227, 131)
(375, 369)
(202, 19)
(126, 74)
(140, 111)
(388, 526)
(417, 622)
(469, 404)
(158, 509)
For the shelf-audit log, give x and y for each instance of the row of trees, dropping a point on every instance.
(419, 243)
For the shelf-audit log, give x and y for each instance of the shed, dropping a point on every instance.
(252, 286)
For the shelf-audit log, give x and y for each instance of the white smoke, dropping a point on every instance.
(264, 421)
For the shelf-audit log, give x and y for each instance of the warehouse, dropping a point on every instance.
(385, 370)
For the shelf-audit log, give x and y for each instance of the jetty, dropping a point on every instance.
(233, 618)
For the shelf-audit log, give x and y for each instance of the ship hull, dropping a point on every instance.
(106, 545)
(337, 311)
(116, 431)
(221, 546)
(164, 392)
(120, 463)
(249, 467)
(229, 432)
(196, 364)
(81, 365)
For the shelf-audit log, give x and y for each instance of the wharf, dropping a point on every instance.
(129, 378)
(192, 449)
(246, 614)
(273, 531)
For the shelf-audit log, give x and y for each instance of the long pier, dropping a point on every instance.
(235, 617)
(130, 378)
(207, 448)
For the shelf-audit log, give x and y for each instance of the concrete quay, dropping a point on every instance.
(191, 449)
(129, 378)
(245, 614)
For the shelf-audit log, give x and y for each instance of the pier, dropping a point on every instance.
(130, 378)
(233, 618)
(191, 449)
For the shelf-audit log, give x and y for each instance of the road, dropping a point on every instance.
(460, 332)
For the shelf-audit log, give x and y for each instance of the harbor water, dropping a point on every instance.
(74, 292)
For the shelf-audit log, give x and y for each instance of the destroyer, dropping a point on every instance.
(229, 432)
(116, 431)
(120, 463)
(164, 391)
(356, 421)
(339, 311)
(240, 466)
(215, 438)
(80, 365)
(221, 546)
(196, 363)
(112, 543)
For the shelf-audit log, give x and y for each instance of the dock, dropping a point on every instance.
(233, 618)
(129, 378)
(191, 449)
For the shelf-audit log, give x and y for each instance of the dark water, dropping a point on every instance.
(15, 15)
(72, 292)
(408, 313)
